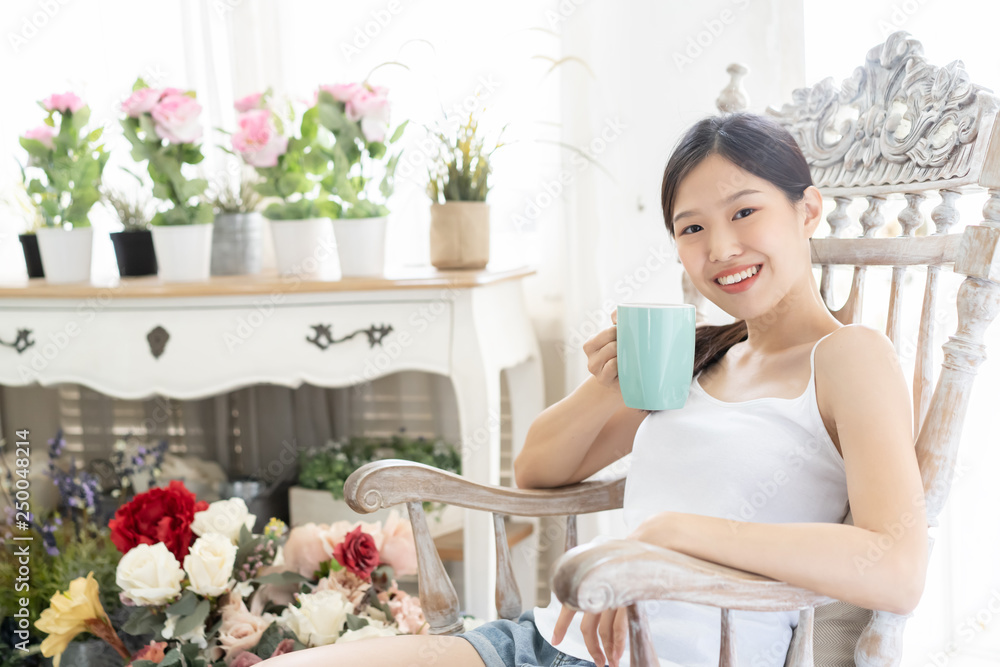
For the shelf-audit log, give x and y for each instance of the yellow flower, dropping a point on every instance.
(68, 614)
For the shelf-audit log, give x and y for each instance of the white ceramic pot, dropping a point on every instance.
(361, 246)
(183, 252)
(66, 253)
(305, 248)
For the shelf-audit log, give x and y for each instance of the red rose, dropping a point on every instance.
(158, 515)
(357, 553)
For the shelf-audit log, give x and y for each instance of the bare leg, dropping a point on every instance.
(401, 651)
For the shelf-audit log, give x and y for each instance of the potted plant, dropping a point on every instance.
(18, 204)
(458, 184)
(134, 244)
(363, 172)
(163, 126)
(236, 241)
(318, 494)
(70, 162)
(292, 166)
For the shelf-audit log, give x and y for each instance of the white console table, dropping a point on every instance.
(140, 337)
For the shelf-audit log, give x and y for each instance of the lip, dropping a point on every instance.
(743, 285)
(733, 269)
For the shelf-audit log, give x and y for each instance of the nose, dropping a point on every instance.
(723, 244)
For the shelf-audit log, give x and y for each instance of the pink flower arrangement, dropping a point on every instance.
(257, 140)
(252, 101)
(176, 115)
(43, 134)
(368, 104)
(63, 102)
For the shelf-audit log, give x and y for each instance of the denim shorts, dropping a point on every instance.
(504, 643)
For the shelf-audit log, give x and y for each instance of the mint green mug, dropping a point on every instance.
(655, 354)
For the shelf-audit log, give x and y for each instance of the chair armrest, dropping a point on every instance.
(618, 573)
(382, 484)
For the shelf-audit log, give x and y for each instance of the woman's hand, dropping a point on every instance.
(602, 355)
(608, 629)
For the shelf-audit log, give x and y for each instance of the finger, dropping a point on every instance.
(598, 360)
(621, 633)
(588, 627)
(607, 633)
(614, 316)
(565, 617)
(600, 339)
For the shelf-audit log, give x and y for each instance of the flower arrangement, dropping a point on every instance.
(330, 466)
(163, 126)
(212, 593)
(460, 168)
(358, 116)
(292, 168)
(70, 159)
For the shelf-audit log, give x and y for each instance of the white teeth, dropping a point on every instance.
(737, 277)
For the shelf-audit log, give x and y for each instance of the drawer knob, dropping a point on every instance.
(157, 339)
(323, 335)
(22, 342)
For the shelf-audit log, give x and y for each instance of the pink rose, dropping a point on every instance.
(240, 630)
(247, 103)
(371, 107)
(408, 614)
(176, 116)
(42, 133)
(257, 140)
(283, 647)
(141, 101)
(245, 659)
(398, 547)
(342, 92)
(348, 584)
(62, 102)
(153, 651)
(304, 549)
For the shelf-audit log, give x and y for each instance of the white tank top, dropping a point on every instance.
(767, 460)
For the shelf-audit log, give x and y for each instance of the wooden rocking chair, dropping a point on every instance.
(898, 127)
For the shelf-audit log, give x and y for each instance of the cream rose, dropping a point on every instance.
(194, 636)
(241, 630)
(225, 517)
(209, 564)
(319, 618)
(149, 575)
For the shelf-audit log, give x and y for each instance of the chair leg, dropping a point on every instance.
(437, 594)
(727, 648)
(641, 651)
(800, 652)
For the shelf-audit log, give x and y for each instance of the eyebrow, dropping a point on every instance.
(728, 200)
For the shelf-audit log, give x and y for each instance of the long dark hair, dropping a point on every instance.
(756, 144)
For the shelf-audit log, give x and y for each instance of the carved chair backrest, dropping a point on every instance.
(900, 127)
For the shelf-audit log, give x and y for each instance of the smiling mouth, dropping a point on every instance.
(730, 279)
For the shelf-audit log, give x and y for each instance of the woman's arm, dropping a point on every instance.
(574, 438)
(881, 561)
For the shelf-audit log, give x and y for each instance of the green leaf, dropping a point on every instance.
(287, 577)
(139, 84)
(148, 127)
(162, 191)
(35, 148)
(143, 621)
(193, 620)
(399, 132)
(269, 641)
(266, 189)
(356, 622)
(186, 605)
(95, 135)
(80, 118)
(173, 657)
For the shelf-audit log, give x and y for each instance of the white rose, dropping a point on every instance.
(209, 564)
(194, 636)
(149, 574)
(373, 629)
(319, 618)
(225, 517)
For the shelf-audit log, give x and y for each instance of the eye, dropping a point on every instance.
(685, 230)
(744, 212)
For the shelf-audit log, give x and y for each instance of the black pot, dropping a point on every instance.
(32, 258)
(134, 252)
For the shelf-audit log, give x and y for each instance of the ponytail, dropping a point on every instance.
(711, 342)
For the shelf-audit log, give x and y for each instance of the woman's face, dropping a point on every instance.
(726, 221)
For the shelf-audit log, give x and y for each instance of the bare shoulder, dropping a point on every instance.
(855, 365)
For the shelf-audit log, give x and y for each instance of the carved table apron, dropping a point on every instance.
(140, 337)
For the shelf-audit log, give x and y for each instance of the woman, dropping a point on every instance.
(778, 433)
